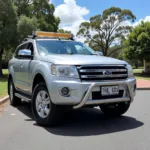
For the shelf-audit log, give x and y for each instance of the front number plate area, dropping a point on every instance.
(109, 90)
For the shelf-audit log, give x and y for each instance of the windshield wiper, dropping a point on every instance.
(93, 54)
(79, 54)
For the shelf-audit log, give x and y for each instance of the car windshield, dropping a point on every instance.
(48, 47)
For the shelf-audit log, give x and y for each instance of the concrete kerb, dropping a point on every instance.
(3, 100)
(143, 89)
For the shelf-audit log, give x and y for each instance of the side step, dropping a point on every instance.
(24, 97)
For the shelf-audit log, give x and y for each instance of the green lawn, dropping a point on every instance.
(3, 83)
(138, 74)
(137, 71)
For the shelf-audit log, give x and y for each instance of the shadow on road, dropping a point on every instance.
(86, 122)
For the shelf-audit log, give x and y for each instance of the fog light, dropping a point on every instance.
(65, 91)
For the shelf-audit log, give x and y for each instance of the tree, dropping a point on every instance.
(137, 45)
(23, 7)
(115, 51)
(63, 31)
(44, 12)
(18, 18)
(26, 26)
(107, 29)
(8, 27)
(7, 55)
(41, 10)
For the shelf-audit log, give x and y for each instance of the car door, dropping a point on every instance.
(17, 67)
(25, 64)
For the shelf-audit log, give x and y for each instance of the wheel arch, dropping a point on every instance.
(37, 79)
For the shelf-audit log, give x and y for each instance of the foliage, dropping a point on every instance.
(8, 26)
(107, 29)
(7, 54)
(19, 18)
(44, 11)
(137, 45)
(26, 26)
(63, 31)
(116, 52)
(23, 7)
(8, 23)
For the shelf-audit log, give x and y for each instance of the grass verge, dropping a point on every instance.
(3, 83)
(138, 73)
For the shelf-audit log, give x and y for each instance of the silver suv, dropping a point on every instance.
(52, 71)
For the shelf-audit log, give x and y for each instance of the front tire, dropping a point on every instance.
(115, 109)
(14, 101)
(44, 111)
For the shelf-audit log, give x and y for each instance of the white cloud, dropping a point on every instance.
(126, 23)
(50, 2)
(71, 15)
(146, 19)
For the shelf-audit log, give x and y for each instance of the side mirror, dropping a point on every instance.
(25, 53)
(99, 53)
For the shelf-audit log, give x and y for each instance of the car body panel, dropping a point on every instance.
(81, 60)
(24, 71)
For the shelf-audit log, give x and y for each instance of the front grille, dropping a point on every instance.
(98, 96)
(102, 72)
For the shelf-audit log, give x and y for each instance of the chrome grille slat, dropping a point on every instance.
(96, 72)
(102, 76)
(101, 70)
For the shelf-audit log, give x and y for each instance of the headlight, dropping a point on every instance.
(64, 71)
(130, 71)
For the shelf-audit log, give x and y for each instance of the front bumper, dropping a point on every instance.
(80, 92)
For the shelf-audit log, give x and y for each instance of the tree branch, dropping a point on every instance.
(117, 49)
(113, 28)
(101, 40)
(94, 41)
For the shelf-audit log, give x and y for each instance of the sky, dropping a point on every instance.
(73, 12)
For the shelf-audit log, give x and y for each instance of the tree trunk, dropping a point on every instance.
(1, 72)
(146, 66)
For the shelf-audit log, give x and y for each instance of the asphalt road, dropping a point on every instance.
(85, 129)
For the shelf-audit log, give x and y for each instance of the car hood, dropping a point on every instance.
(81, 60)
